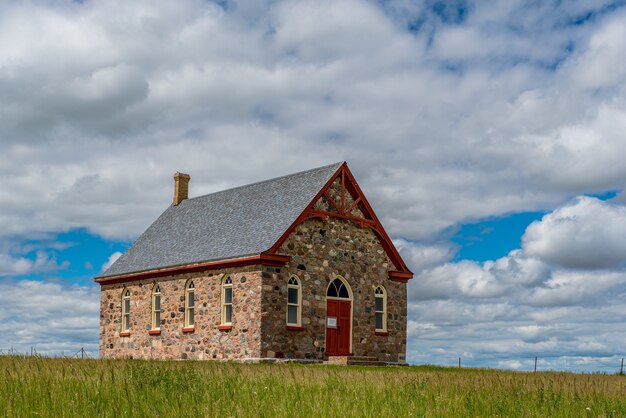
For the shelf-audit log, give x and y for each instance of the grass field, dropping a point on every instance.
(32, 386)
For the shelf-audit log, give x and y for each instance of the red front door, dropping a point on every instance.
(338, 330)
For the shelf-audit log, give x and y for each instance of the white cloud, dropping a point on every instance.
(49, 317)
(469, 279)
(16, 265)
(517, 268)
(510, 364)
(112, 259)
(576, 288)
(560, 297)
(601, 65)
(463, 278)
(587, 233)
(91, 140)
(421, 256)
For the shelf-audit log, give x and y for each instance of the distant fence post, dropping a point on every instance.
(621, 367)
(535, 364)
(459, 362)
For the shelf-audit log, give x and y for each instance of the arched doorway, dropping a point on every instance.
(338, 318)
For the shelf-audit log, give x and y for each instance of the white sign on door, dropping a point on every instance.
(331, 322)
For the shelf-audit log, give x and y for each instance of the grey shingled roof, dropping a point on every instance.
(232, 223)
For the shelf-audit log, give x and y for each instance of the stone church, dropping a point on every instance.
(297, 267)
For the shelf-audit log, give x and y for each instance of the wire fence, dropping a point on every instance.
(558, 363)
(79, 354)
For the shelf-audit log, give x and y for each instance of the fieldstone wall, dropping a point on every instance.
(321, 250)
(206, 341)
(334, 191)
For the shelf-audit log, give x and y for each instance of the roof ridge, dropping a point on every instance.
(268, 180)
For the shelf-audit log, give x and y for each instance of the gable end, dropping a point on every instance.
(341, 197)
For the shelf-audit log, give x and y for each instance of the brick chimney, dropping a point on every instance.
(181, 187)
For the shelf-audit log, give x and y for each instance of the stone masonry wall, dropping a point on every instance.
(206, 342)
(321, 250)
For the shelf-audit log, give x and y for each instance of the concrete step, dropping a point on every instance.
(354, 361)
(367, 363)
(336, 360)
(362, 358)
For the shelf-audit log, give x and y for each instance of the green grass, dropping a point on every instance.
(32, 386)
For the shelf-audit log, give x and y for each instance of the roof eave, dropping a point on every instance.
(400, 276)
(263, 259)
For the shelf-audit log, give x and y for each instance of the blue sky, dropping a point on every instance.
(487, 136)
(492, 238)
(79, 254)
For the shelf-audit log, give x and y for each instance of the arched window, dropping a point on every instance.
(294, 302)
(156, 307)
(227, 300)
(125, 310)
(380, 296)
(189, 303)
(337, 289)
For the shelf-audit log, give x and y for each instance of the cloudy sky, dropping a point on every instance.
(489, 137)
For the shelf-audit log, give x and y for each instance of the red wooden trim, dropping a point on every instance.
(400, 276)
(382, 333)
(370, 219)
(125, 334)
(225, 327)
(294, 328)
(331, 200)
(154, 332)
(189, 329)
(343, 191)
(356, 202)
(323, 214)
(263, 259)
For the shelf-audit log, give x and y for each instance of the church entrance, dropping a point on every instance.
(338, 318)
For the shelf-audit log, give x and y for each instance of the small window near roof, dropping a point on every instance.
(294, 301)
(381, 308)
(125, 310)
(156, 307)
(189, 303)
(227, 301)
